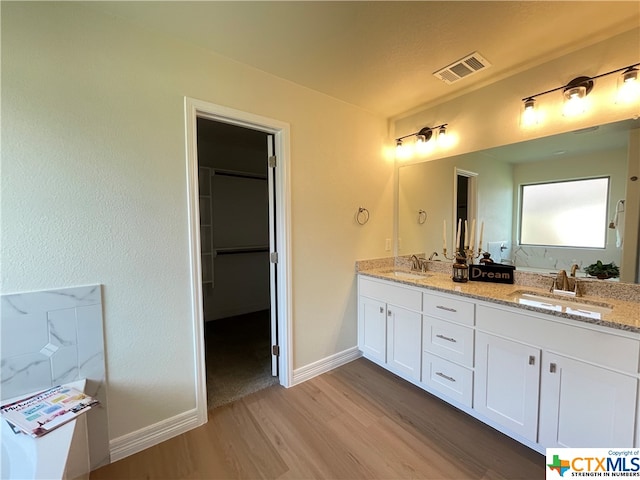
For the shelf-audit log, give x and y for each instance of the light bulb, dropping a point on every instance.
(628, 86)
(575, 102)
(442, 135)
(529, 114)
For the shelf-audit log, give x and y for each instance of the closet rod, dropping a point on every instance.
(234, 173)
(237, 250)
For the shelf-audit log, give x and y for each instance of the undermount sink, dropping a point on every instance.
(563, 304)
(406, 274)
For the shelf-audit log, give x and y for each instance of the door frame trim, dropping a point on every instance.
(195, 109)
(472, 196)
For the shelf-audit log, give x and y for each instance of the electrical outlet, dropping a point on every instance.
(387, 245)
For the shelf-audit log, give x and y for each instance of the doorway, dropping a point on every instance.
(465, 200)
(233, 184)
(240, 252)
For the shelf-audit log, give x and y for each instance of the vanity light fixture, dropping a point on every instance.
(423, 136)
(576, 91)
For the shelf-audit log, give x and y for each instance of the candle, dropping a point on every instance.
(466, 235)
(444, 235)
(473, 231)
(457, 245)
(481, 232)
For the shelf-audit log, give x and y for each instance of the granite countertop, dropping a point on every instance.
(623, 314)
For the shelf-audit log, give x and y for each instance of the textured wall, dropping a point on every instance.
(94, 191)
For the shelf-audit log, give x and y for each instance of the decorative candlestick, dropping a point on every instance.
(471, 255)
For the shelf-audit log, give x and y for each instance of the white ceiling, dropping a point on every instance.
(380, 55)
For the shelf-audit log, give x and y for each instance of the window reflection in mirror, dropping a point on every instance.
(564, 214)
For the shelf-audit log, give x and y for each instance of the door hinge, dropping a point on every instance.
(272, 161)
(275, 350)
(273, 257)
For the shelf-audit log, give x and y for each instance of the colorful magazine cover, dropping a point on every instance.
(45, 411)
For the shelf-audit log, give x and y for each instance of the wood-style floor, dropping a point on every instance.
(355, 422)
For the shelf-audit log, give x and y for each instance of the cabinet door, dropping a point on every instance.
(583, 405)
(507, 383)
(372, 339)
(404, 339)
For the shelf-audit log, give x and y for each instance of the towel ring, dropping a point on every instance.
(422, 217)
(362, 216)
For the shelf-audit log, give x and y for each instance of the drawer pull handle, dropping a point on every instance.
(446, 377)
(448, 309)
(552, 368)
(448, 339)
(532, 360)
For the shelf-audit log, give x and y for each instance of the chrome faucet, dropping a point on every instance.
(434, 254)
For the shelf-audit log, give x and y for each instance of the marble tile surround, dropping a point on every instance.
(54, 337)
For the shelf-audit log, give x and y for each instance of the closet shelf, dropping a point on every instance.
(234, 173)
(239, 250)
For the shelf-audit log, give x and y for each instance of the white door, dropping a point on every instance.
(372, 338)
(273, 248)
(404, 341)
(507, 383)
(585, 406)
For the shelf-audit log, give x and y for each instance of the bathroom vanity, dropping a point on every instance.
(566, 377)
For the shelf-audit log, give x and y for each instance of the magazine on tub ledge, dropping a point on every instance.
(45, 411)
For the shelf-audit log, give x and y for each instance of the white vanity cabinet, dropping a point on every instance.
(555, 383)
(544, 380)
(390, 326)
(448, 345)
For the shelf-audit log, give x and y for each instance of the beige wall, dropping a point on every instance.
(94, 191)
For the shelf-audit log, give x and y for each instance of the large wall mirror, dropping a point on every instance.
(426, 197)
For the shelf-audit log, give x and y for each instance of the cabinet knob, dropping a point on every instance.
(389, 313)
(381, 309)
(552, 367)
(532, 360)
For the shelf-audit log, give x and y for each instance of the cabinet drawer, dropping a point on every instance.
(395, 294)
(449, 340)
(448, 378)
(449, 308)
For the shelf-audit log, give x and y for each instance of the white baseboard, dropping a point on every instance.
(146, 437)
(314, 369)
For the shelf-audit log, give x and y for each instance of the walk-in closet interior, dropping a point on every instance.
(234, 230)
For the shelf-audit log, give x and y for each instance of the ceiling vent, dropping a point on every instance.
(464, 67)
